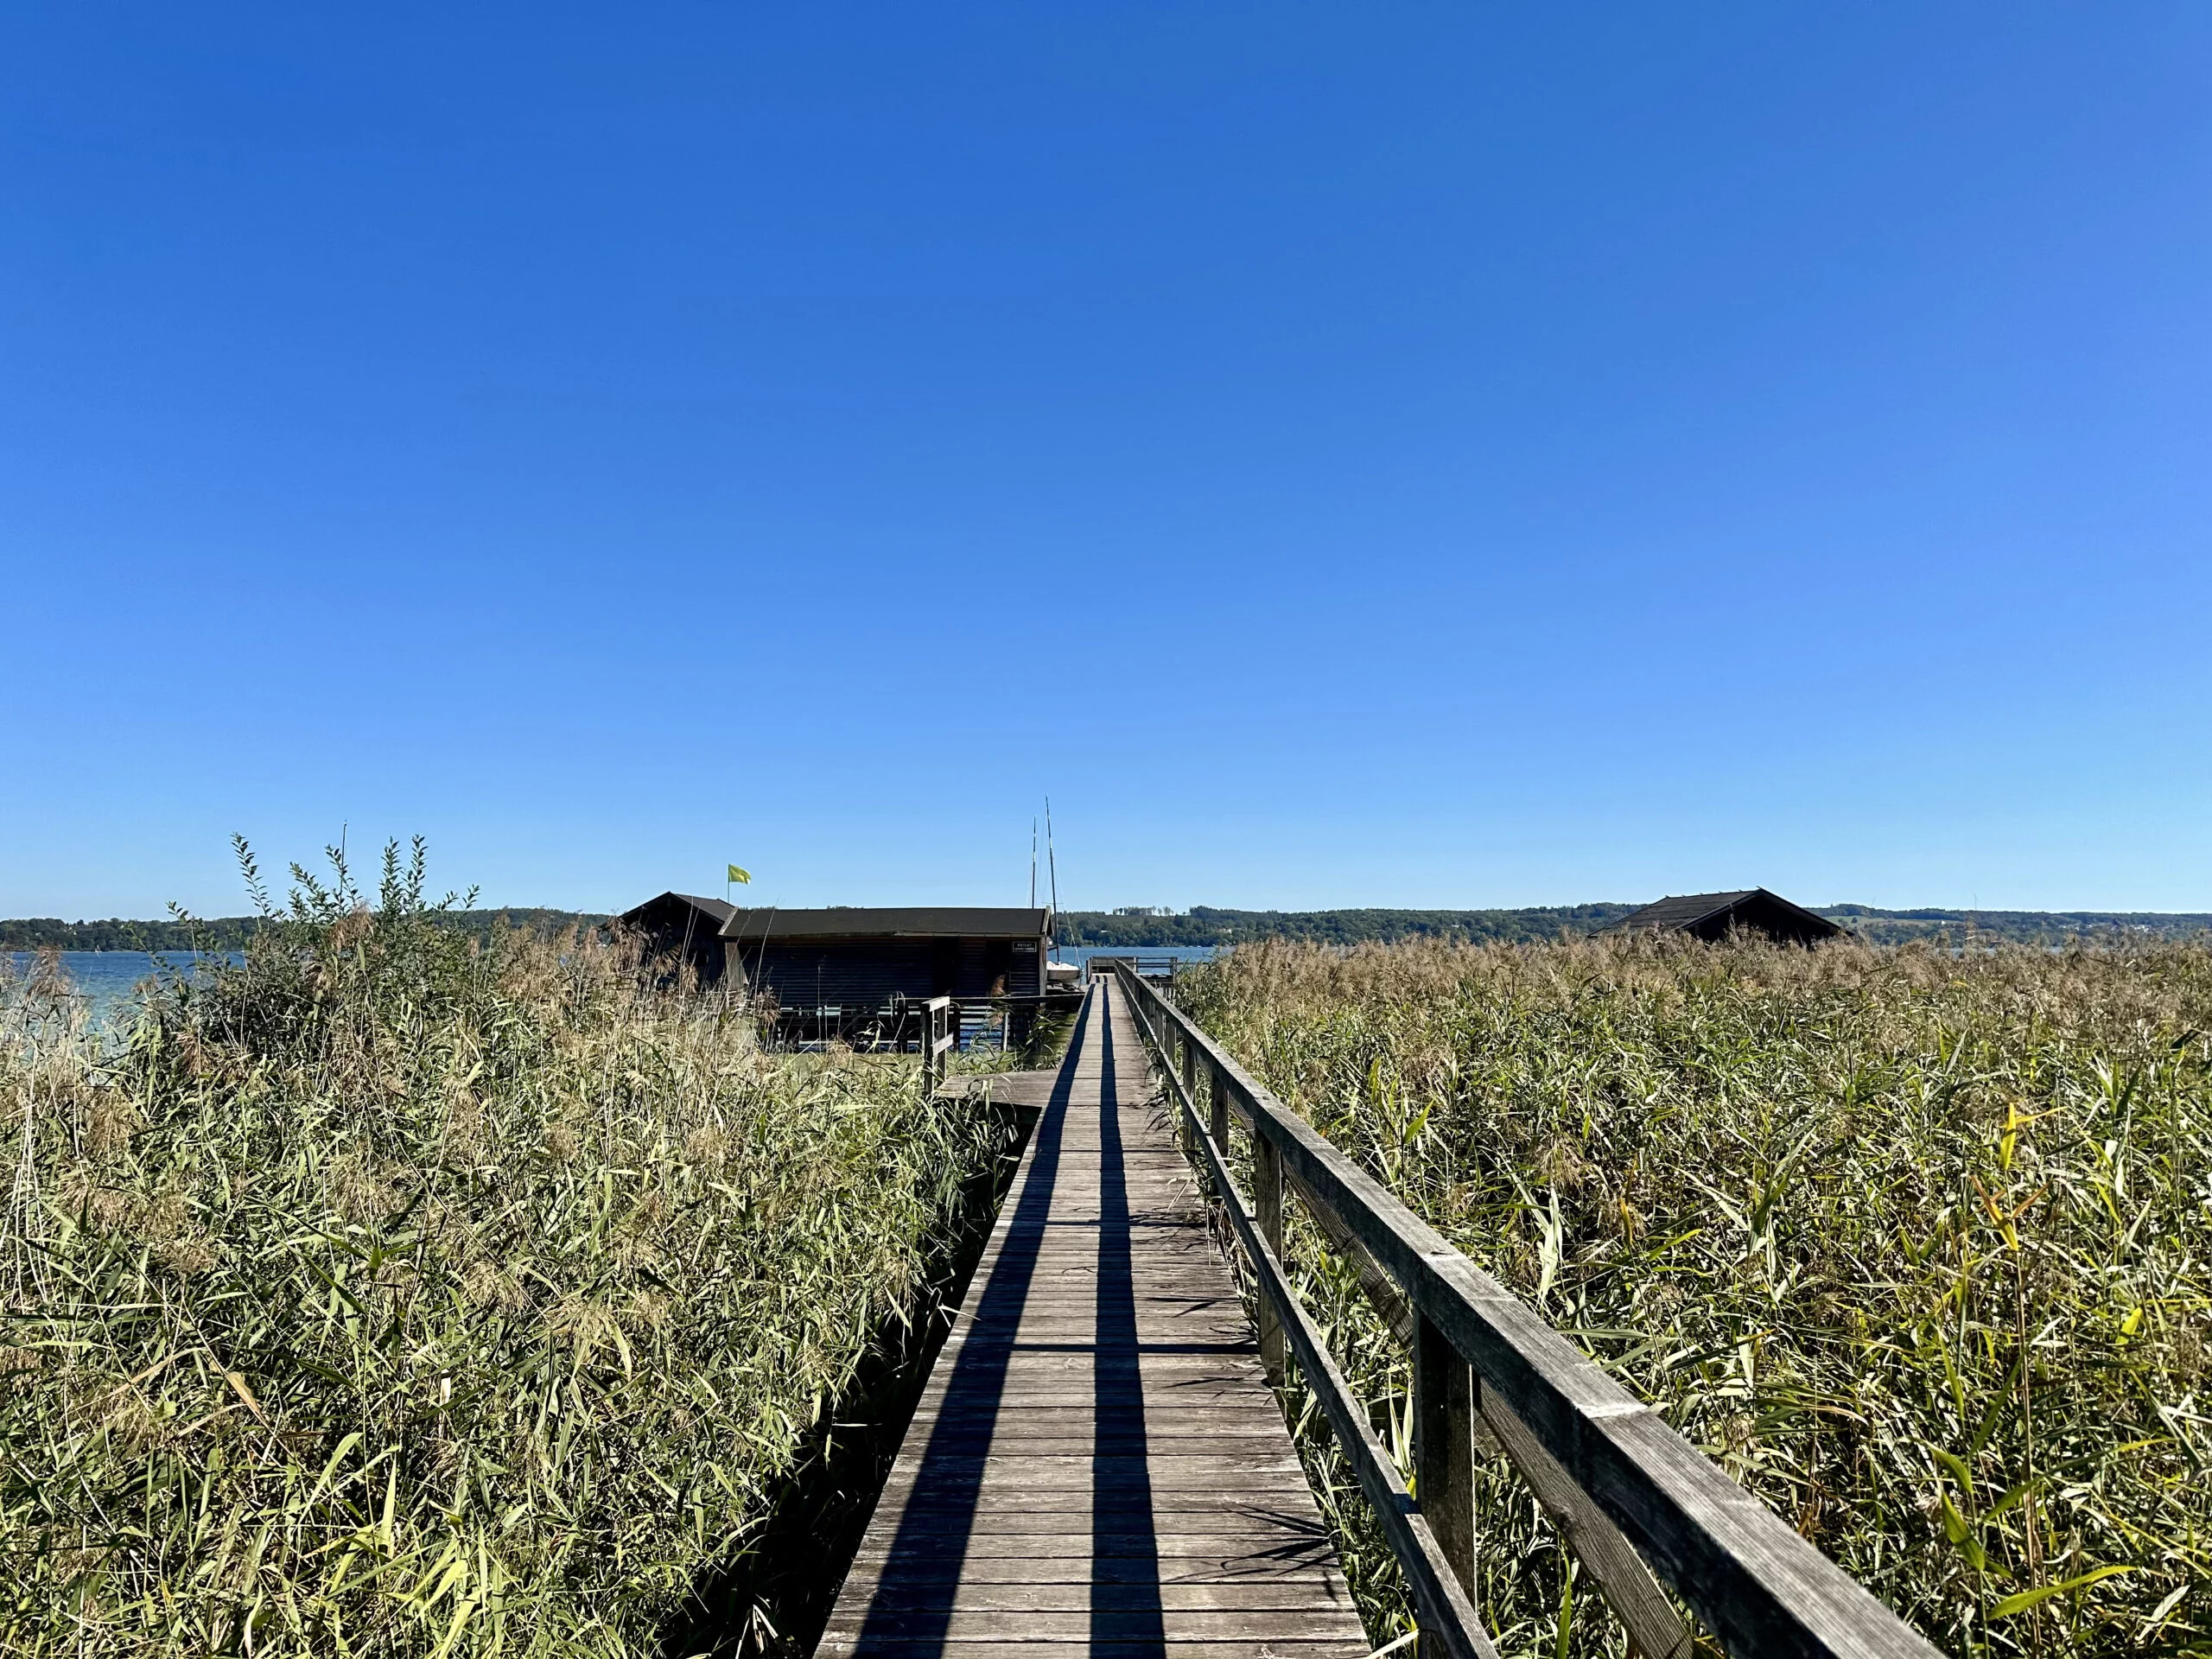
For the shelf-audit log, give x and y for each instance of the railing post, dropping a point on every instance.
(1220, 1093)
(1191, 1077)
(1444, 1446)
(1267, 1212)
(1164, 1033)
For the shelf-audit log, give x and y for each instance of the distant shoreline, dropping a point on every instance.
(1206, 926)
(220, 933)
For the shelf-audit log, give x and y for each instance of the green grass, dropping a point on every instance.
(1916, 1246)
(396, 1294)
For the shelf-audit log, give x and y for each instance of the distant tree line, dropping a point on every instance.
(1204, 926)
(232, 933)
(1958, 927)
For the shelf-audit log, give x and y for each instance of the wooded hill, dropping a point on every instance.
(1205, 925)
(231, 932)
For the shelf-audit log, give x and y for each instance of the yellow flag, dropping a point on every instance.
(736, 875)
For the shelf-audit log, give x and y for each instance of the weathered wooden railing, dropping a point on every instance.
(1148, 967)
(940, 1036)
(904, 1025)
(1630, 1496)
(1006, 1021)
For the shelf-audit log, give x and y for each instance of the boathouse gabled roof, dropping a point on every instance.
(1681, 910)
(1710, 914)
(716, 910)
(911, 922)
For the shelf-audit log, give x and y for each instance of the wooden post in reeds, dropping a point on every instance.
(1267, 1213)
(940, 1035)
(1444, 1446)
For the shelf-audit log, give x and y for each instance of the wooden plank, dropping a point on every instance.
(1251, 1553)
(1152, 1473)
(1185, 1397)
(1023, 1419)
(1188, 1507)
(1094, 1624)
(1129, 1566)
(1264, 1518)
(1224, 1448)
(1128, 1593)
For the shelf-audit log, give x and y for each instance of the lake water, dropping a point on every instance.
(1083, 953)
(106, 980)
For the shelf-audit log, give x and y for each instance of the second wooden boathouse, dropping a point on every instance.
(1714, 916)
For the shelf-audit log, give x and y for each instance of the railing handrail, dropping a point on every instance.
(1150, 964)
(1761, 1588)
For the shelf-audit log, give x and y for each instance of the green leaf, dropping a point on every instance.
(330, 1469)
(1959, 1471)
(1960, 1535)
(2012, 1495)
(2026, 1599)
(1997, 1400)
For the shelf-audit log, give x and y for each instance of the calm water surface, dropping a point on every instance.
(1081, 953)
(107, 980)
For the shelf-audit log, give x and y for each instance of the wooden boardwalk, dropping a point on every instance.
(1097, 1460)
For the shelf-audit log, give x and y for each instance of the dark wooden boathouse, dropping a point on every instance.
(684, 926)
(844, 968)
(1715, 915)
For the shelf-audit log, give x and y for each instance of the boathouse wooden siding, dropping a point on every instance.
(854, 958)
(683, 925)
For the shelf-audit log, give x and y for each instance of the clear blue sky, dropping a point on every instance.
(1454, 454)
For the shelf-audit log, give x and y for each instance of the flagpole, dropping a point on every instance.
(1053, 866)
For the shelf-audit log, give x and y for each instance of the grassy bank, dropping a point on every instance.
(1917, 1247)
(398, 1294)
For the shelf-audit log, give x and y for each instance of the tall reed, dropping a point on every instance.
(390, 1294)
(1918, 1247)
